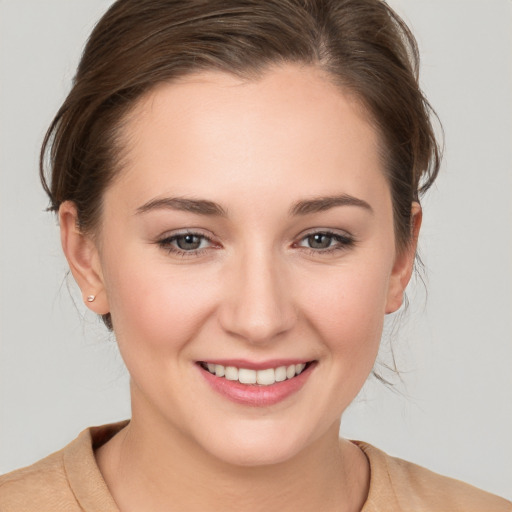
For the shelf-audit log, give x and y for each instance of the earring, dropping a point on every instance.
(91, 298)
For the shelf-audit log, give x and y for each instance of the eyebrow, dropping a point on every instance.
(320, 204)
(210, 208)
(198, 206)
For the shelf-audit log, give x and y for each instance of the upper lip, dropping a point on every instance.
(256, 365)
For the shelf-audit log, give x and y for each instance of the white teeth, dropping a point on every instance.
(265, 377)
(281, 374)
(247, 376)
(231, 373)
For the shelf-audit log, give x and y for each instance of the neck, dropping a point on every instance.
(149, 467)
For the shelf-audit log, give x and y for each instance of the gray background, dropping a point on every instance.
(59, 370)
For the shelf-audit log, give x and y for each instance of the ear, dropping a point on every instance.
(83, 259)
(404, 264)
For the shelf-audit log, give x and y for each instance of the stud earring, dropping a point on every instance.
(91, 298)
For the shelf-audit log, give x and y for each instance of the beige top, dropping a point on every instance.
(69, 480)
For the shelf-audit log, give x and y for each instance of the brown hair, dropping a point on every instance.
(362, 44)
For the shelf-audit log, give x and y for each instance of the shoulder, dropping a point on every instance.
(42, 486)
(68, 480)
(413, 487)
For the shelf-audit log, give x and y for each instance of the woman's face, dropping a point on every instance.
(251, 227)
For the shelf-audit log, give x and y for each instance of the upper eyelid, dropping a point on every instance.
(190, 231)
(314, 231)
(344, 239)
(329, 231)
(299, 238)
(172, 237)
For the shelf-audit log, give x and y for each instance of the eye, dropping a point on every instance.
(194, 244)
(185, 244)
(322, 242)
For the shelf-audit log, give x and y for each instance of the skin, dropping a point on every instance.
(258, 291)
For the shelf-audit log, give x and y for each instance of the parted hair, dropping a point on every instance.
(363, 45)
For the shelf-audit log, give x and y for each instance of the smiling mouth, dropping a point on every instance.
(264, 377)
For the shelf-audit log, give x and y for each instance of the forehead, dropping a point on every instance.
(213, 134)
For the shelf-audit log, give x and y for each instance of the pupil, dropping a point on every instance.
(187, 242)
(320, 241)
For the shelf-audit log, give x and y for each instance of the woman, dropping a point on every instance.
(238, 187)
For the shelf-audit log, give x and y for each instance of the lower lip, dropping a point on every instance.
(255, 395)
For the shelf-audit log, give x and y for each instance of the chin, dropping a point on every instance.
(257, 444)
(254, 455)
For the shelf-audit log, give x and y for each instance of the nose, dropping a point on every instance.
(257, 304)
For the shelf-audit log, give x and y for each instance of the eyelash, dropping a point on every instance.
(344, 242)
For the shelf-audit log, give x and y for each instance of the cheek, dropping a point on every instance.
(158, 307)
(349, 302)
(346, 308)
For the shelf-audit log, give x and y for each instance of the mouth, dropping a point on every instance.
(256, 384)
(262, 377)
